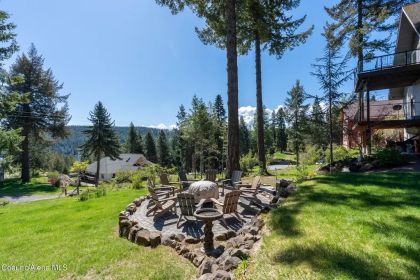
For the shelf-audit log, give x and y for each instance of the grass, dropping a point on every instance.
(37, 186)
(83, 236)
(345, 226)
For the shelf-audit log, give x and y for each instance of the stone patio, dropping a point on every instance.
(233, 242)
(167, 223)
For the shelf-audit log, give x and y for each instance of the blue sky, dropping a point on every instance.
(142, 62)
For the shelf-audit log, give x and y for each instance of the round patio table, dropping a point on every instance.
(203, 190)
(208, 215)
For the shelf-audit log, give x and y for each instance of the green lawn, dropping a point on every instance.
(38, 186)
(345, 226)
(83, 236)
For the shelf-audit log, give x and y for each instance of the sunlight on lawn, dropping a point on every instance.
(345, 226)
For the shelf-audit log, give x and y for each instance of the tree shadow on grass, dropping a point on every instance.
(408, 229)
(333, 260)
(15, 188)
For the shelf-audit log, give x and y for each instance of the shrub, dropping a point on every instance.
(84, 196)
(389, 157)
(248, 162)
(3, 202)
(123, 177)
(311, 155)
(100, 191)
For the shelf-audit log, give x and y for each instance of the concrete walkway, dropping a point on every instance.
(29, 198)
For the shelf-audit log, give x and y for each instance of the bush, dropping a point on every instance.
(311, 155)
(100, 191)
(123, 177)
(248, 162)
(3, 202)
(389, 157)
(84, 196)
(340, 153)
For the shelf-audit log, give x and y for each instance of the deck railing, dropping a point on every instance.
(388, 61)
(392, 110)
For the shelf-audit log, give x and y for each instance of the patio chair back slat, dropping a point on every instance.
(164, 180)
(182, 176)
(186, 203)
(230, 204)
(236, 176)
(211, 175)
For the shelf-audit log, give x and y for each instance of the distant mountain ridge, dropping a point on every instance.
(70, 146)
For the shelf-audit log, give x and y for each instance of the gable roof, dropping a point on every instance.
(126, 162)
(409, 28)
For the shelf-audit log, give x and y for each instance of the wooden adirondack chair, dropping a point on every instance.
(163, 189)
(184, 180)
(250, 191)
(186, 205)
(230, 205)
(232, 182)
(211, 175)
(160, 204)
(164, 181)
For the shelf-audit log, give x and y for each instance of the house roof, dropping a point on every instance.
(409, 28)
(379, 110)
(126, 162)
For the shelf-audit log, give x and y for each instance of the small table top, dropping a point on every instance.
(208, 214)
(204, 190)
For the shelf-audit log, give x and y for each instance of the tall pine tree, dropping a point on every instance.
(221, 15)
(150, 147)
(296, 110)
(318, 135)
(134, 142)
(281, 139)
(101, 137)
(164, 155)
(244, 137)
(367, 25)
(331, 72)
(45, 112)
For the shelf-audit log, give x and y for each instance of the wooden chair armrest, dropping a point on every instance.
(216, 201)
(168, 198)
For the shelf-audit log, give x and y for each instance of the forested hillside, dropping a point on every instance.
(69, 146)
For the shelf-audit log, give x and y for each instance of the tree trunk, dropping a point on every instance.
(232, 80)
(260, 110)
(297, 146)
(25, 172)
(331, 126)
(98, 169)
(360, 33)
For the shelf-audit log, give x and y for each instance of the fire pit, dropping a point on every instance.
(208, 215)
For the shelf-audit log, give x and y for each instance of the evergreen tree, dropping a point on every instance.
(219, 111)
(8, 38)
(244, 137)
(134, 143)
(331, 73)
(219, 117)
(282, 135)
(264, 24)
(317, 135)
(179, 146)
(221, 15)
(366, 24)
(41, 113)
(296, 110)
(150, 146)
(9, 138)
(164, 155)
(101, 137)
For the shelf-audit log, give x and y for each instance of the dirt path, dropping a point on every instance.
(29, 198)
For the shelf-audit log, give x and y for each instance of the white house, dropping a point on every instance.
(126, 162)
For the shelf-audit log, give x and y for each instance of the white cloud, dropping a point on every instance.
(248, 113)
(162, 126)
